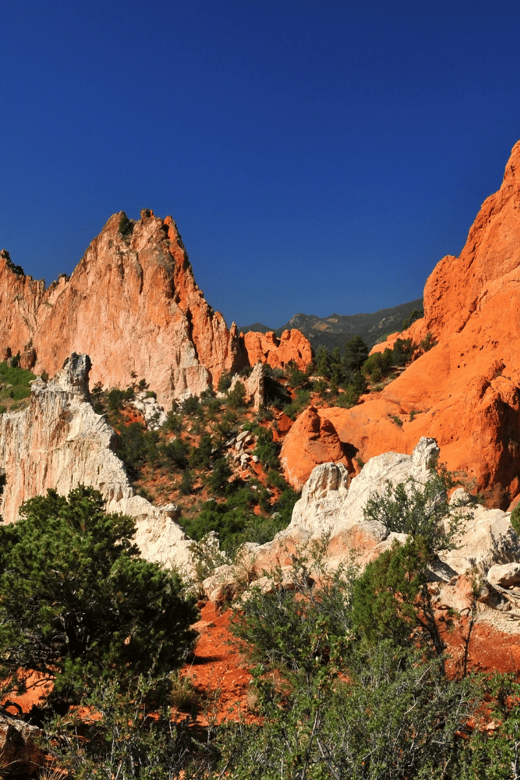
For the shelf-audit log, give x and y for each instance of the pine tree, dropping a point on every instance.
(77, 600)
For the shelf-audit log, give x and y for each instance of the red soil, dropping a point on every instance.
(218, 671)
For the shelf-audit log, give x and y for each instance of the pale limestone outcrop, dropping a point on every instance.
(505, 575)
(59, 442)
(153, 413)
(485, 538)
(254, 385)
(330, 508)
(322, 498)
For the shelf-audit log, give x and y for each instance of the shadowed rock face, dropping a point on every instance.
(133, 305)
(465, 392)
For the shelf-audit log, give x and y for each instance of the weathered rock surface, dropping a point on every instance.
(59, 442)
(152, 412)
(311, 440)
(506, 575)
(278, 352)
(20, 753)
(330, 509)
(465, 392)
(133, 305)
(254, 385)
(328, 506)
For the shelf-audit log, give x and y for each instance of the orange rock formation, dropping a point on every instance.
(278, 352)
(133, 305)
(311, 440)
(465, 392)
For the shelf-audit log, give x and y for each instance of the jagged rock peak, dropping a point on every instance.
(73, 377)
(133, 305)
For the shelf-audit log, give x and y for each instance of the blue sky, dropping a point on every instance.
(317, 157)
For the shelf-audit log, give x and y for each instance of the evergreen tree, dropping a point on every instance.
(77, 600)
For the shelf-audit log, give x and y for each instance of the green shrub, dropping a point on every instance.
(266, 449)
(77, 599)
(125, 225)
(418, 509)
(224, 383)
(175, 453)
(219, 476)
(514, 519)
(201, 456)
(137, 447)
(428, 342)
(237, 397)
(192, 406)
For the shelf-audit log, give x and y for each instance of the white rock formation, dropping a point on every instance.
(253, 384)
(153, 413)
(59, 442)
(329, 506)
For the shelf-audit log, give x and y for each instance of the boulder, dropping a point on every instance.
(330, 518)
(311, 440)
(506, 575)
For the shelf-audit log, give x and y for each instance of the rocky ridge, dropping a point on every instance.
(465, 391)
(133, 305)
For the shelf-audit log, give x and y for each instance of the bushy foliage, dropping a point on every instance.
(418, 509)
(137, 447)
(130, 734)
(266, 449)
(236, 397)
(379, 365)
(176, 452)
(342, 371)
(300, 402)
(333, 705)
(125, 225)
(117, 398)
(77, 599)
(15, 383)
(514, 519)
(392, 599)
(415, 315)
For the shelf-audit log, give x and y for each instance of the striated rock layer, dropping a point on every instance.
(133, 305)
(465, 392)
(59, 442)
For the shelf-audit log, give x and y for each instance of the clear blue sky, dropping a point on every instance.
(317, 157)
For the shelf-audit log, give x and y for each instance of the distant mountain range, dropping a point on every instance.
(337, 329)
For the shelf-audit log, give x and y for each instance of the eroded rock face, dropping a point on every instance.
(311, 440)
(254, 386)
(133, 305)
(328, 505)
(465, 392)
(330, 514)
(59, 442)
(20, 752)
(278, 352)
